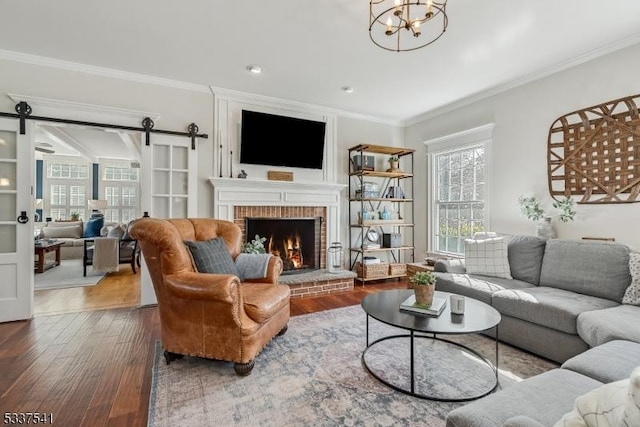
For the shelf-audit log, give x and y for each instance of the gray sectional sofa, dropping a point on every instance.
(564, 303)
(565, 295)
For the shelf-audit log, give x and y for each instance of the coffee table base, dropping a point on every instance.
(412, 392)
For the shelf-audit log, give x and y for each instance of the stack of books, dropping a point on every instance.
(438, 304)
(368, 260)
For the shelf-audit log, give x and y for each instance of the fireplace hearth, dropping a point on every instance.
(295, 240)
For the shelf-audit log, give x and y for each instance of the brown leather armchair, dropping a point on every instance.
(214, 316)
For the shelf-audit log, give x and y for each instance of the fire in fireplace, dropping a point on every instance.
(295, 240)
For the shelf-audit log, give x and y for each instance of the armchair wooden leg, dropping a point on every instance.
(283, 330)
(170, 357)
(244, 369)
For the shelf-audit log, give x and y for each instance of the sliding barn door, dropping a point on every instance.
(169, 187)
(16, 222)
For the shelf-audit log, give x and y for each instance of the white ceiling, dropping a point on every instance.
(310, 49)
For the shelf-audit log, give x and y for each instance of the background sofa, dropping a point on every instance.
(69, 233)
(563, 297)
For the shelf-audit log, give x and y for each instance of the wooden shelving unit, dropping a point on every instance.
(360, 228)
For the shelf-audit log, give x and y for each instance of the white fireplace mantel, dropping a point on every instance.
(231, 192)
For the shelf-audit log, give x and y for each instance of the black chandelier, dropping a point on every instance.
(404, 25)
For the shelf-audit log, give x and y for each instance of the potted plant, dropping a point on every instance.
(393, 163)
(424, 286)
(255, 246)
(75, 216)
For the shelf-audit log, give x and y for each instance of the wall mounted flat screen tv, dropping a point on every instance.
(269, 139)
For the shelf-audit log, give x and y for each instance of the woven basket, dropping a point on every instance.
(397, 269)
(372, 271)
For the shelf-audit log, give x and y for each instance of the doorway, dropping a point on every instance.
(77, 169)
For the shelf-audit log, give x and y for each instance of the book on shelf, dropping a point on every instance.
(438, 304)
(370, 260)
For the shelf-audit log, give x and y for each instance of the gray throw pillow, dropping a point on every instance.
(212, 256)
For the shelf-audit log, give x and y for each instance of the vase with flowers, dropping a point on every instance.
(531, 208)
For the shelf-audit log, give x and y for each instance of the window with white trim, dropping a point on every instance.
(459, 203)
(458, 190)
(65, 184)
(120, 184)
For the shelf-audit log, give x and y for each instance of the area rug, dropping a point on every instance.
(314, 376)
(66, 275)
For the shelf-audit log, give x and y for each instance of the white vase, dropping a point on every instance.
(545, 230)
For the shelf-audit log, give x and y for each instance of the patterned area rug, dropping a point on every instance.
(314, 376)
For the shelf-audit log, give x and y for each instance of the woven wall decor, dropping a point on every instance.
(595, 153)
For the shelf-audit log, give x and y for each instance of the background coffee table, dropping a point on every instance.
(384, 306)
(41, 249)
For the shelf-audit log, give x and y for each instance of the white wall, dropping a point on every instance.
(522, 118)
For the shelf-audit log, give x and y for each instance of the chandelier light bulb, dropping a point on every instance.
(416, 28)
(389, 26)
(429, 13)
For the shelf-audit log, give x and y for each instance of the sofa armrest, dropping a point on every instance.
(450, 266)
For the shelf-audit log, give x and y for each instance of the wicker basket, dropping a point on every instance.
(397, 269)
(372, 271)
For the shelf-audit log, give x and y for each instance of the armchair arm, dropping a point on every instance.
(204, 286)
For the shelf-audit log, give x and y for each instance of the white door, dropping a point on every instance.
(168, 184)
(16, 222)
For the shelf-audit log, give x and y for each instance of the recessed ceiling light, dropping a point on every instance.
(255, 69)
(347, 89)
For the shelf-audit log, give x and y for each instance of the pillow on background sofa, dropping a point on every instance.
(488, 257)
(92, 227)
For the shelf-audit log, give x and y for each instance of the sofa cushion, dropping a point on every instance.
(487, 257)
(611, 361)
(544, 398)
(212, 256)
(525, 258)
(93, 226)
(554, 308)
(600, 269)
(632, 294)
(616, 323)
(476, 286)
(68, 232)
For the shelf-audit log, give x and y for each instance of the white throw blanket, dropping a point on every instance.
(105, 254)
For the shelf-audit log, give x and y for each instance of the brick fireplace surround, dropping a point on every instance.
(237, 199)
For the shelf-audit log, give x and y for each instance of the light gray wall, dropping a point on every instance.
(522, 118)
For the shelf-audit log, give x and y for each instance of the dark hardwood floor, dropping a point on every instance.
(93, 368)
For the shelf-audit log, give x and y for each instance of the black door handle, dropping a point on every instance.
(23, 218)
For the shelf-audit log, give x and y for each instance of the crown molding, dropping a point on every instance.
(100, 71)
(536, 75)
